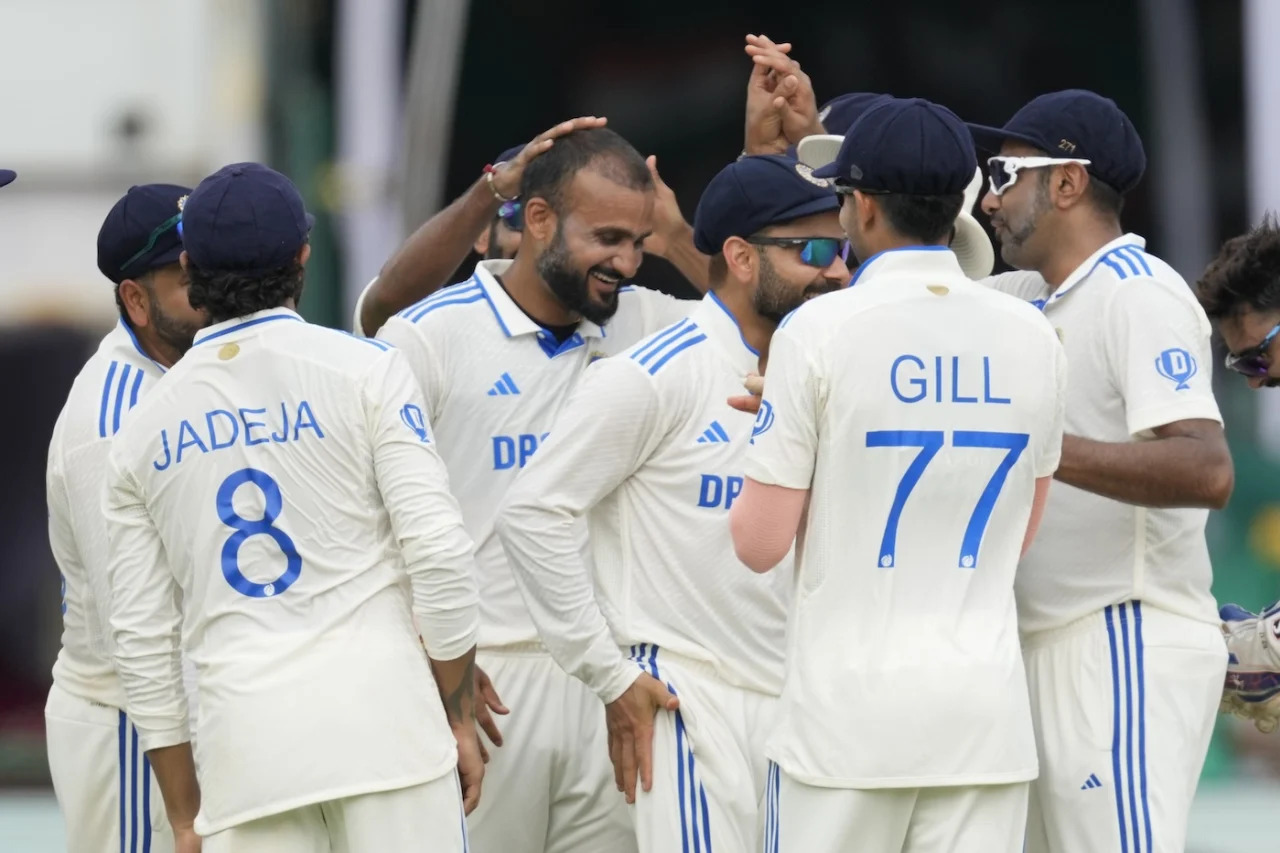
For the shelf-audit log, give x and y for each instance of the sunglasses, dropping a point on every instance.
(820, 252)
(155, 235)
(512, 215)
(1254, 361)
(1004, 170)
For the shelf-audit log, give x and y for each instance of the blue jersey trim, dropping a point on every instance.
(737, 325)
(237, 327)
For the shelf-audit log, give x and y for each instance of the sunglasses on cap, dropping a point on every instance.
(1004, 170)
(512, 214)
(155, 235)
(1254, 361)
(820, 252)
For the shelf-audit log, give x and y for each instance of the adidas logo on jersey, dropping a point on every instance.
(1091, 783)
(504, 387)
(713, 434)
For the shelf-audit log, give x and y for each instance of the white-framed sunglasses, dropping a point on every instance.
(1003, 171)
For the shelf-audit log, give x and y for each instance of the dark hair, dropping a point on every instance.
(927, 218)
(1245, 276)
(1106, 199)
(717, 270)
(226, 295)
(599, 148)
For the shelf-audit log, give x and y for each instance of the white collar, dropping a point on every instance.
(257, 318)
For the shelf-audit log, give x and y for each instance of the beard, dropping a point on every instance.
(1015, 233)
(775, 297)
(174, 333)
(571, 287)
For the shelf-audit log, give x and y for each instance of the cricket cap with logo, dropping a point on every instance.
(913, 146)
(1075, 123)
(755, 192)
(140, 232)
(245, 218)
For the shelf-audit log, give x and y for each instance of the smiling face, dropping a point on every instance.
(597, 243)
(785, 280)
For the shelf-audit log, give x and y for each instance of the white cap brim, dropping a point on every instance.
(973, 247)
(818, 150)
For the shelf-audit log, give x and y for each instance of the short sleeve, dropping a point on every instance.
(1160, 355)
(1049, 441)
(784, 440)
(411, 340)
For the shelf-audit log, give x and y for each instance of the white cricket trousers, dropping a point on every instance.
(423, 818)
(803, 818)
(1124, 703)
(709, 768)
(550, 788)
(102, 781)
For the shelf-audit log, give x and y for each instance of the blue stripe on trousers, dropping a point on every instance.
(121, 737)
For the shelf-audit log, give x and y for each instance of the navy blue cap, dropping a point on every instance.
(7, 176)
(244, 217)
(755, 192)
(908, 146)
(838, 114)
(140, 232)
(1076, 123)
(509, 155)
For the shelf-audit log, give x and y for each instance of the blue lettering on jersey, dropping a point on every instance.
(716, 491)
(1178, 366)
(909, 380)
(222, 429)
(513, 451)
(764, 420)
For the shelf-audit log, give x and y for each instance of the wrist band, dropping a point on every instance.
(488, 178)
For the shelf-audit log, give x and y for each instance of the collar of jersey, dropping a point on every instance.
(913, 259)
(1082, 272)
(226, 327)
(510, 318)
(133, 341)
(714, 318)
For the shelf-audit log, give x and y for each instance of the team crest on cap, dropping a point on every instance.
(805, 172)
(1067, 146)
(182, 202)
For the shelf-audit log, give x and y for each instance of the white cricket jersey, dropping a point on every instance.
(281, 481)
(106, 389)
(919, 408)
(1139, 347)
(650, 451)
(494, 381)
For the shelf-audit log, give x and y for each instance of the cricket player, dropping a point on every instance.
(910, 426)
(1240, 293)
(266, 500)
(497, 357)
(1125, 657)
(488, 219)
(102, 780)
(648, 450)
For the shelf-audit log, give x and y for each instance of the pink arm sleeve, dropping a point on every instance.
(764, 521)
(1037, 511)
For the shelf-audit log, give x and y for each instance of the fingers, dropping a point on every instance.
(754, 383)
(484, 753)
(652, 162)
(644, 755)
(470, 796)
(628, 760)
(615, 758)
(490, 693)
(763, 41)
(488, 726)
(745, 403)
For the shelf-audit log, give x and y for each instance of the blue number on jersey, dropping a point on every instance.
(244, 528)
(930, 442)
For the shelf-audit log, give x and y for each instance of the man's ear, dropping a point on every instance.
(540, 219)
(741, 260)
(481, 245)
(304, 254)
(137, 302)
(868, 210)
(1068, 184)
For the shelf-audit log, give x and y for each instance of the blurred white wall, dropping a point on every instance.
(99, 95)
